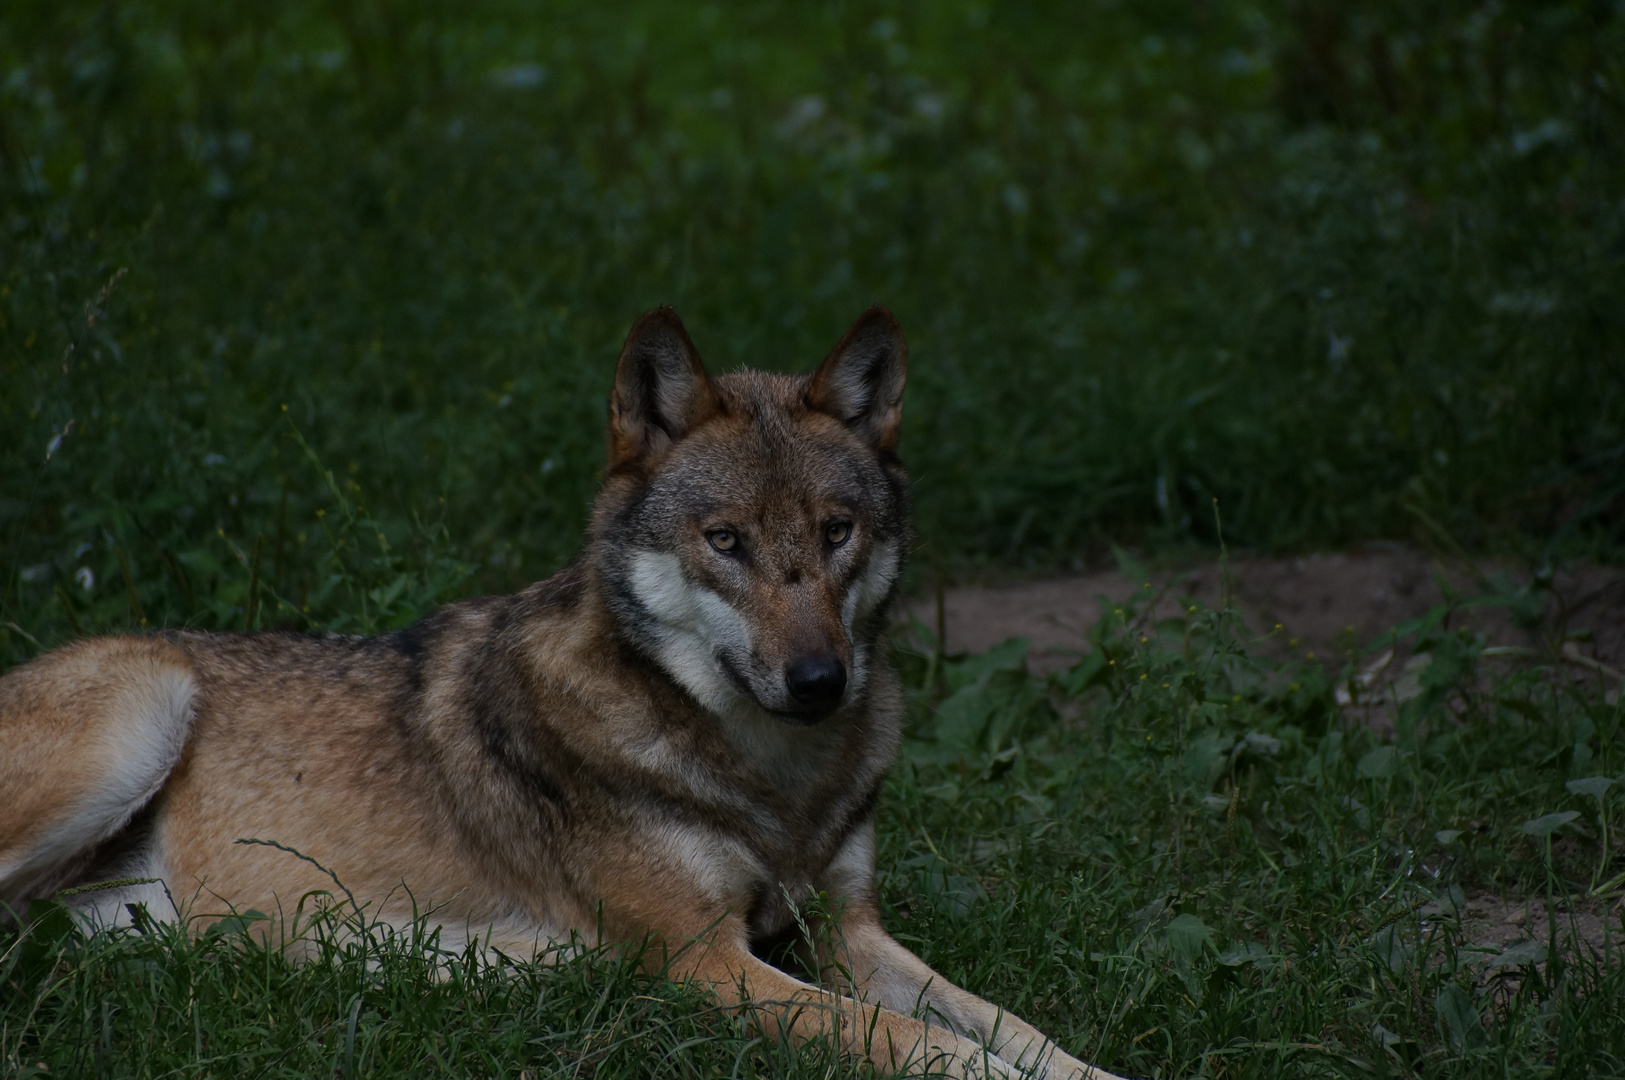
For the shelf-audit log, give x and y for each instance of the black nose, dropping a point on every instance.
(816, 680)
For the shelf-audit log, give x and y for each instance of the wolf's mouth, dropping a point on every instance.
(800, 716)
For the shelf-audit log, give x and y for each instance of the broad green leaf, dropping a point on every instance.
(1421, 625)
(1460, 1016)
(962, 719)
(1154, 916)
(1010, 655)
(239, 923)
(386, 595)
(1518, 953)
(1205, 759)
(1130, 566)
(1392, 948)
(1090, 670)
(1378, 764)
(1188, 936)
(1595, 786)
(1547, 824)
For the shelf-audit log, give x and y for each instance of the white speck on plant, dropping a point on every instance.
(56, 440)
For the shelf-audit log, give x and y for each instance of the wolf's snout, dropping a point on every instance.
(816, 680)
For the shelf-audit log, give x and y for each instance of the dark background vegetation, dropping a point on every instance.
(1343, 267)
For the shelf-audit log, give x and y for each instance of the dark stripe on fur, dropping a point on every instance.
(499, 708)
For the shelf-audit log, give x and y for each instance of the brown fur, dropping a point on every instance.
(623, 748)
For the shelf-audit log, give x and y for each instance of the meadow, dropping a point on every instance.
(308, 314)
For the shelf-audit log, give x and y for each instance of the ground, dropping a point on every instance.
(1332, 605)
(1328, 608)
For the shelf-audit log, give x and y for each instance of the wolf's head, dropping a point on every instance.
(752, 527)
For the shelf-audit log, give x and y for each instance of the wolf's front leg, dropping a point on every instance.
(780, 1004)
(884, 973)
(881, 972)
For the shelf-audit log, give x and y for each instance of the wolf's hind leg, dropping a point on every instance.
(88, 735)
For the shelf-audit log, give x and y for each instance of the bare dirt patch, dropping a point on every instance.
(1329, 607)
(1496, 922)
(1502, 933)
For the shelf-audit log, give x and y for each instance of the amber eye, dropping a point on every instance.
(723, 539)
(836, 532)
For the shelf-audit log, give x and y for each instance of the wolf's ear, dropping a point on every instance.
(860, 383)
(661, 390)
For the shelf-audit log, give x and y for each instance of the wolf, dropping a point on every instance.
(677, 739)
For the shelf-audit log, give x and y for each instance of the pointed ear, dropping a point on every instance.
(860, 383)
(661, 390)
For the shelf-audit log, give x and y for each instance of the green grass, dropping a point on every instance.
(1334, 269)
(308, 314)
(1208, 870)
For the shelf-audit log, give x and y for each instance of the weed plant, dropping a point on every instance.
(1336, 267)
(1209, 867)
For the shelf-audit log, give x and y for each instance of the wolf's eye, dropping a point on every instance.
(723, 539)
(836, 532)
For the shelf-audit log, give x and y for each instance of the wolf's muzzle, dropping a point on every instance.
(816, 682)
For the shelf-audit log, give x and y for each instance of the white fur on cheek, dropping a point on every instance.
(871, 588)
(692, 625)
(859, 677)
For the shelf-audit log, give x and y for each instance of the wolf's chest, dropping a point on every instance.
(748, 861)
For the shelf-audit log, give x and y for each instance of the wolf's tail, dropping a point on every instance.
(88, 735)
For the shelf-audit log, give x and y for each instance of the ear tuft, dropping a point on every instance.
(861, 382)
(661, 389)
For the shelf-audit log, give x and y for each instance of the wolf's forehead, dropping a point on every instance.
(757, 471)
